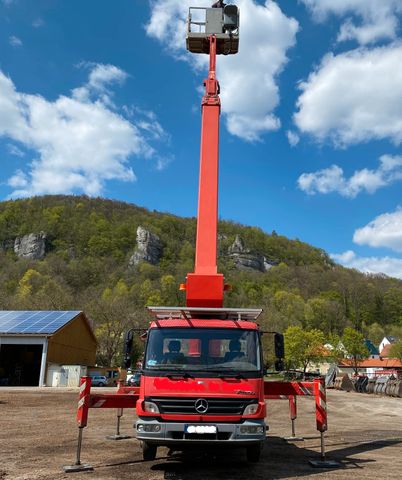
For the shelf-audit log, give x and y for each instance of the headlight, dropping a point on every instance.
(151, 407)
(251, 409)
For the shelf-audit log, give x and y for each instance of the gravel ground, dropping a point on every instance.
(38, 435)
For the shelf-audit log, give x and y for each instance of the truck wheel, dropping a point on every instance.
(148, 451)
(254, 453)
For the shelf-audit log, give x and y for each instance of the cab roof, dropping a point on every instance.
(187, 317)
(186, 313)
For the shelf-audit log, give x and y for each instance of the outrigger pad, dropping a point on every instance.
(86, 467)
(118, 437)
(324, 463)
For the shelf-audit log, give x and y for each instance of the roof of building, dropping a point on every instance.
(374, 363)
(30, 322)
(390, 339)
(385, 352)
(371, 347)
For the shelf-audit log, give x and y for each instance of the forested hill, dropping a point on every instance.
(87, 263)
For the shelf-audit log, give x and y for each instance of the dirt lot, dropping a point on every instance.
(38, 435)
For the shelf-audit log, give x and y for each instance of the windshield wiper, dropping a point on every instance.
(231, 375)
(179, 375)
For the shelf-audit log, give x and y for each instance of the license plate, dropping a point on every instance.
(201, 429)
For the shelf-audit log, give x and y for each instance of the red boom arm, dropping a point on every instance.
(205, 287)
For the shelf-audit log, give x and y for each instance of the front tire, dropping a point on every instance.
(101, 384)
(254, 453)
(148, 451)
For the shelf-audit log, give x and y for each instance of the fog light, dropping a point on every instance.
(141, 427)
(252, 430)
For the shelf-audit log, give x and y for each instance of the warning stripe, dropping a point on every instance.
(306, 390)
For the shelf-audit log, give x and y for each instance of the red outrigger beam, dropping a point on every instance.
(126, 397)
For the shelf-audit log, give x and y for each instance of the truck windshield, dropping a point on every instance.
(203, 350)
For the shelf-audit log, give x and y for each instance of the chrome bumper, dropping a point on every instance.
(169, 433)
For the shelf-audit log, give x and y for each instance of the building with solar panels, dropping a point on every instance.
(35, 345)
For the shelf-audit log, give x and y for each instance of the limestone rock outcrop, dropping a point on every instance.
(149, 248)
(32, 246)
(244, 259)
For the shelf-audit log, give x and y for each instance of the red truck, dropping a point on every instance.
(202, 381)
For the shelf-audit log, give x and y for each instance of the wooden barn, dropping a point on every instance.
(33, 341)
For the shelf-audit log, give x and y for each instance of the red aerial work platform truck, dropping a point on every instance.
(203, 372)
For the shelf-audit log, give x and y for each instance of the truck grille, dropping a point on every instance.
(216, 406)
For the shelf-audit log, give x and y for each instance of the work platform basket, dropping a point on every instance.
(221, 22)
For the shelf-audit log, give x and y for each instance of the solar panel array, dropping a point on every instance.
(34, 322)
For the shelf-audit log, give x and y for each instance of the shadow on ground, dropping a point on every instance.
(280, 460)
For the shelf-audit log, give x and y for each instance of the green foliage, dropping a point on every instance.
(353, 341)
(303, 347)
(396, 351)
(86, 267)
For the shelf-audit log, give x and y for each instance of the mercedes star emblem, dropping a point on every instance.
(201, 405)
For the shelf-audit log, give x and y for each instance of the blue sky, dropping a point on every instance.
(101, 98)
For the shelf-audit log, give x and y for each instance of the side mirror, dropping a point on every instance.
(279, 346)
(128, 347)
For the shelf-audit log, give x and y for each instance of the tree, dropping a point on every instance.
(355, 347)
(392, 305)
(325, 314)
(396, 350)
(303, 347)
(375, 332)
(291, 306)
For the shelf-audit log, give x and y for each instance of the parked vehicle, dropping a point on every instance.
(134, 380)
(99, 381)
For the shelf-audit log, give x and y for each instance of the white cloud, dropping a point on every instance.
(384, 231)
(293, 138)
(377, 19)
(248, 79)
(332, 179)
(81, 142)
(101, 78)
(15, 41)
(38, 22)
(354, 97)
(18, 180)
(14, 150)
(375, 265)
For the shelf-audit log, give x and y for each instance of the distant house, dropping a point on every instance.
(371, 366)
(373, 350)
(38, 346)
(386, 341)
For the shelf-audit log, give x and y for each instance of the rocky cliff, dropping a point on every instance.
(149, 248)
(32, 246)
(244, 259)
